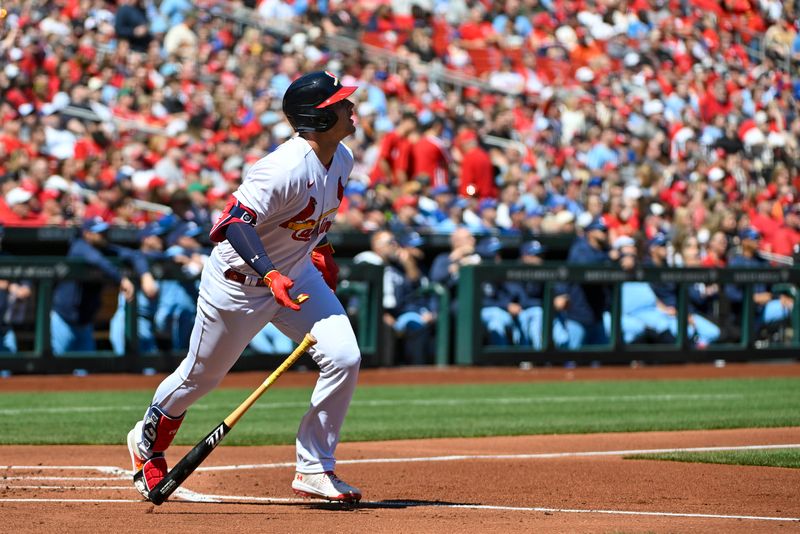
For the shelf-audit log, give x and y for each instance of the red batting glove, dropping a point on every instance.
(322, 258)
(280, 286)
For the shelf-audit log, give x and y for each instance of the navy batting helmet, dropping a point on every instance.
(307, 98)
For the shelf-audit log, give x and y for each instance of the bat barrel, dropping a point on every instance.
(187, 465)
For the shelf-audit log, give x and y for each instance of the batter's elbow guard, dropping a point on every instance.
(234, 212)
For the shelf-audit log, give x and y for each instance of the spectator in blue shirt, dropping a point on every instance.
(767, 308)
(581, 306)
(14, 295)
(152, 249)
(601, 153)
(410, 314)
(177, 305)
(76, 303)
(702, 298)
(525, 298)
(497, 321)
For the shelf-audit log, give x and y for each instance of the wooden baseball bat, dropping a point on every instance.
(200, 452)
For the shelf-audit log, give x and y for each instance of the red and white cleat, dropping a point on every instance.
(147, 472)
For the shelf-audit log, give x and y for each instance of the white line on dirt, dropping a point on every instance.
(58, 478)
(72, 487)
(191, 496)
(107, 469)
(536, 456)
(71, 500)
(410, 504)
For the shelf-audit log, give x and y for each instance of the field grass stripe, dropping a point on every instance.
(533, 456)
(413, 402)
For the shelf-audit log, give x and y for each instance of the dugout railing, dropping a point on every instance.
(364, 282)
(471, 348)
(459, 338)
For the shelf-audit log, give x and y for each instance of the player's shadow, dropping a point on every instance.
(387, 504)
(394, 504)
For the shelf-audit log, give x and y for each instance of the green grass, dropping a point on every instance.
(399, 412)
(760, 457)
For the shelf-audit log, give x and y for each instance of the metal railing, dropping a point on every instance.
(45, 272)
(470, 347)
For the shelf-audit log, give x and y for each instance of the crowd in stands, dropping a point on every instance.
(657, 119)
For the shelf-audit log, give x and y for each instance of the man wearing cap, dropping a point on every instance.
(497, 320)
(667, 292)
(525, 298)
(409, 314)
(477, 171)
(786, 239)
(429, 156)
(393, 165)
(455, 216)
(640, 318)
(177, 306)
(151, 247)
(767, 309)
(446, 267)
(406, 215)
(273, 257)
(581, 306)
(75, 302)
(487, 213)
(434, 206)
(700, 329)
(16, 209)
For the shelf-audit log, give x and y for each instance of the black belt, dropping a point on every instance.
(236, 276)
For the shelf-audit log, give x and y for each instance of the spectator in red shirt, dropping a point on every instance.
(429, 156)
(477, 173)
(787, 237)
(16, 210)
(715, 102)
(762, 218)
(394, 157)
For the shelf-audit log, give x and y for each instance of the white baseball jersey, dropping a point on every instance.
(295, 199)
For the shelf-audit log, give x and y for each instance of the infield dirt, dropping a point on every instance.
(406, 489)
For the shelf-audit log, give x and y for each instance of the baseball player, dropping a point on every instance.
(273, 264)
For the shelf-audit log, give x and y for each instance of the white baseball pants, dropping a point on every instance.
(229, 315)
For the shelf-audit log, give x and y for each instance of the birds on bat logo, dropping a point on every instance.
(215, 437)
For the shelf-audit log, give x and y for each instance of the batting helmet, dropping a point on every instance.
(307, 98)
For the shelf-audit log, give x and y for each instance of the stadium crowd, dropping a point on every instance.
(663, 131)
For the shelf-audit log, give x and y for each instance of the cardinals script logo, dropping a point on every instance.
(303, 224)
